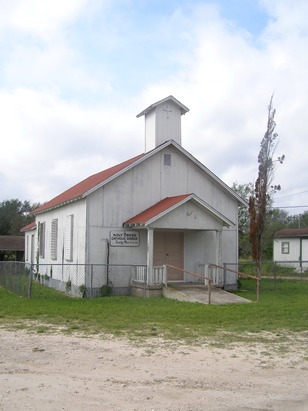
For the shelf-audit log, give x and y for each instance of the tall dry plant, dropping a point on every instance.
(261, 198)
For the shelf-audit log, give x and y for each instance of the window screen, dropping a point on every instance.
(167, 159)
(54, 239)
(68, 238)
(285, 247)
(42, 239)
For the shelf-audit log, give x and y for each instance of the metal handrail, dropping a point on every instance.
(243, 275)
(209, 280)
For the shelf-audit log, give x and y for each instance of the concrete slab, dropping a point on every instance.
(199, 294)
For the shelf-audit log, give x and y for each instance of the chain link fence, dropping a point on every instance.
(96, 280)
(15, 277)
(272, 272)
(78, 280)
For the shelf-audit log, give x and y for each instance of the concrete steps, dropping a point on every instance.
(199, 294)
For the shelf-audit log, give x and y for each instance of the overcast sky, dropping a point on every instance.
(74, 74)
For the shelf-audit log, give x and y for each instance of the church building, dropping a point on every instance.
(160, 207)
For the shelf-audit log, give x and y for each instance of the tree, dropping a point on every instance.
(276, 219)
(261, 199)
(244, 191)
(299, 220)
(15, 214)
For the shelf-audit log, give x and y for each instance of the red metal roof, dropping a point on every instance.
(29, 227)
(81, 188)
(156, 209)
(292, 232)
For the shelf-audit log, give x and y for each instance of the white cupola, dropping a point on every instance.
(163, 122)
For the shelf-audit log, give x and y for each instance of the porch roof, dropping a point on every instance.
(169, 204)
(12, 243)
(29, 227)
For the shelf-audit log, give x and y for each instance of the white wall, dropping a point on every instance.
(294, 250)
(150, 129)
(168, 123)
(146, 184)
(79, 240)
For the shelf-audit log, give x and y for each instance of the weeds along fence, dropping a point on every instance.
(15, 277)
(78, 280)
(272, 271)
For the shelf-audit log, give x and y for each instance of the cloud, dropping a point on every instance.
(72, 85)
(42, 19)
(227, 81)
(51, 143)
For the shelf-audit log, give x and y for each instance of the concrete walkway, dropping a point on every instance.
(199, 294)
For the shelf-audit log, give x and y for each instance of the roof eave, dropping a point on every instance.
(73, 200)
(211, 174)
(226, 222)
(184, 109)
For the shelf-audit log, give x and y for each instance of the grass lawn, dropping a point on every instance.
(279, 310)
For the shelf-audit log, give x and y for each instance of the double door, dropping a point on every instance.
(169, 249)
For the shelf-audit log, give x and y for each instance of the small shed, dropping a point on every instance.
(12, 244)
(291, 246)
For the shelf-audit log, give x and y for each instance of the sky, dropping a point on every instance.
(74, 74)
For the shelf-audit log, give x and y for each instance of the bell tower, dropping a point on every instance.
(163, 122)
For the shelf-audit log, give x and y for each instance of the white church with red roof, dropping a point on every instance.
(160, 207)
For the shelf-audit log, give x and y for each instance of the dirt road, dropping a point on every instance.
(58, 372)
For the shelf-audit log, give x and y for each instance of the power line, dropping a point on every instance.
(303, 206)
(290, 195)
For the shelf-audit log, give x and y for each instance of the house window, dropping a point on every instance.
(68, 238)
(167, 159)
(54, 238)
(285, 247)
(42, 230)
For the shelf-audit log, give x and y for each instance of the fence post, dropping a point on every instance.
(91, 281)
(210, 290)
(225, 274)
(258, 288)
(165, 275)
(145, 281)
(30, 281)
(274, 272)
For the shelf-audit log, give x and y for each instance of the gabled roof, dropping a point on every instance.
(169, 204)
(96, 181)
(291, 232)
(12, 243)
(208, 172)
(156, 210)
(183, 108)
(29, 227)
(79, 190)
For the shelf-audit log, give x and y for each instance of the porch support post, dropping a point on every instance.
(219, 247)
(150, 246)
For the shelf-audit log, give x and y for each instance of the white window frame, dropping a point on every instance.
(167, 159)
(68, 237)
(42, 236)
(285, 247)
(54, 239)
(27, 247)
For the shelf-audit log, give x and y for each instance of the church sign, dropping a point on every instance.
(124, 238)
